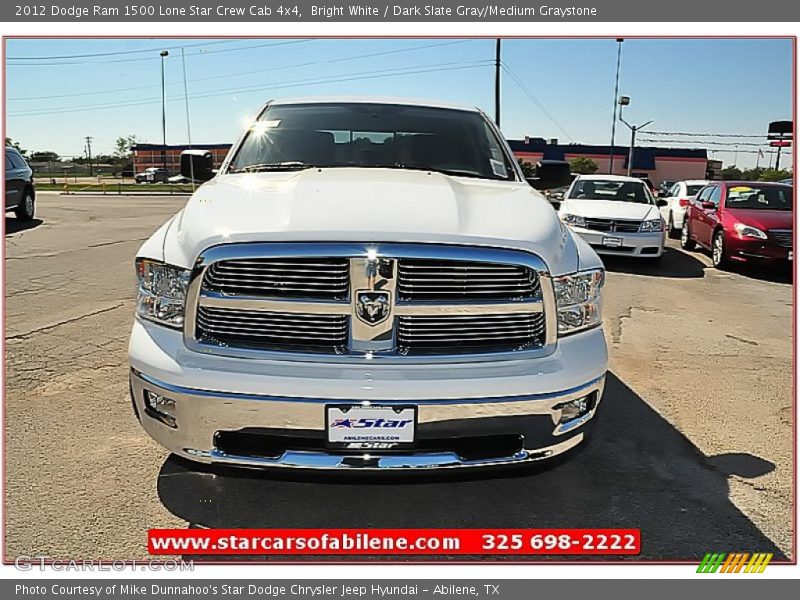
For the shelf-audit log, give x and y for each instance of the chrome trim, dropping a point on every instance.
(294, 459)
(367, 345)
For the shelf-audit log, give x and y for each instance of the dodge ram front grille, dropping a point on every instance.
(284, 278)
(448, 280)
(782, 237)
(273, 330)
(345, 301)
(469, 334)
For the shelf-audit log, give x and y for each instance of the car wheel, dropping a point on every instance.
(672, 233)
(26, 210)
(718, 256)
(687, 243)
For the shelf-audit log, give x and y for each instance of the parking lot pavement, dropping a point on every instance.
(693, 445)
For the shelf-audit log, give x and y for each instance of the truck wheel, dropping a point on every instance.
(26, 209)
(718, 253)
(687, 243)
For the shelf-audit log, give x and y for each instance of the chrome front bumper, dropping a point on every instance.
(201, 414)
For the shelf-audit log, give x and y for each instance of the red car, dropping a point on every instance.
(741, 221)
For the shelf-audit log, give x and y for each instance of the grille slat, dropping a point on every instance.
(461, 281)
(273, 331)
(783, 237)
(612, 225)
(461, 335)
(323, 279)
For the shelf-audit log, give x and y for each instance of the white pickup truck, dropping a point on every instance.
(368, 284)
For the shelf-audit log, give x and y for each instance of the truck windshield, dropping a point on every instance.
(298, 136)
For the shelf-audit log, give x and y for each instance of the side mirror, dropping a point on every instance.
(550, 174)
(197, 165)
(708, 205)
(661, 202)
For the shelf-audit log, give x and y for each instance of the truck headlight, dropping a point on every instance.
(749, 231)
(162, 292)
(579, 300)
(576, 220)
(653, 225)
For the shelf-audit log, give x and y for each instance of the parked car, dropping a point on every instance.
(787, 181)
(741, 221)
(369, 284)
(152, 175)
(665, 187)
(678, 198)
(20, 188)
(615, 215)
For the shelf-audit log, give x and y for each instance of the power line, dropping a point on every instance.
(453, 66)
(535, 100)
(251, 72)
(688, 134)
(129, 60)
(703, 143)
(121, 52)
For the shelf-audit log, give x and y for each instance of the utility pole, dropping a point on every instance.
(164, 54)
(497, 83)
(614, 117)
(89, 153)
(188, 120)
(624, 101)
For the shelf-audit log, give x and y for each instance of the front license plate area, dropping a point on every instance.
(612, 242)
(370, 428)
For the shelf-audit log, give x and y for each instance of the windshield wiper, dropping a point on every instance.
(289, 165)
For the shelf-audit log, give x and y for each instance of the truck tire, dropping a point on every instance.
(27, 207)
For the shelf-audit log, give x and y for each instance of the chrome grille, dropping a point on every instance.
(449, 280)
(612, 225)
(319, 278)
(470, 334)
(782, 237)
(344, 300)
(273, 330)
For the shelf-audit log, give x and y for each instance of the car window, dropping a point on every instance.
(703, 196)
(611, 189)
(16, 160)
(716, 195)
(675, 190)
(759, 197)
(691, 190)
(9, 164)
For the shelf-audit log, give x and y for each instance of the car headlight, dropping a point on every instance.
(652, 225)
(576, 220)
(162, 292)
(748, 231)
(579, 300)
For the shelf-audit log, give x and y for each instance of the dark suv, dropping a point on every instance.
(20, 190)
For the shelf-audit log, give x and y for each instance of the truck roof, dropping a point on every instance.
(374, 100)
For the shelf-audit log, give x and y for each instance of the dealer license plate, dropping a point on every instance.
(612, 242)
(358, 427)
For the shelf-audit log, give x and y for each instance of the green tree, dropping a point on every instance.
(583, 165)
(527, 168)
(775, 174)
(122, 147)
(10, 142)
(730, 173)
(44, 156)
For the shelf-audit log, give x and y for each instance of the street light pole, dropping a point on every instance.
(497, 65)
(624, 101)
(614, 116)
(164, 54)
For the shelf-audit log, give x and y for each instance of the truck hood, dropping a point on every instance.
(609, 209)
(365, 205)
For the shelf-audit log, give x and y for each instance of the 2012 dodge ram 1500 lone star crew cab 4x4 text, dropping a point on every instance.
(368, 285)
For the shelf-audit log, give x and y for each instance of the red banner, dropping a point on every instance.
(393, 541)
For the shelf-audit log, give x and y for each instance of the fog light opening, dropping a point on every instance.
(575, 409)
(161, 408)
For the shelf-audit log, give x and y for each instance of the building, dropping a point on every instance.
(659, 164)
(149, 155)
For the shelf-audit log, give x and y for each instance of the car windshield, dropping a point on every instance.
(620, 191)
(298, 136)
(767, 197)
(692, 190)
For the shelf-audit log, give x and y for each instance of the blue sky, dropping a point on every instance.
(708, 85)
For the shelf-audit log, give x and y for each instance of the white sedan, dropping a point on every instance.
(615, 215)
(678, 199)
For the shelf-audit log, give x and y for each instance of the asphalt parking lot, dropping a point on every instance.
(694, 445)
